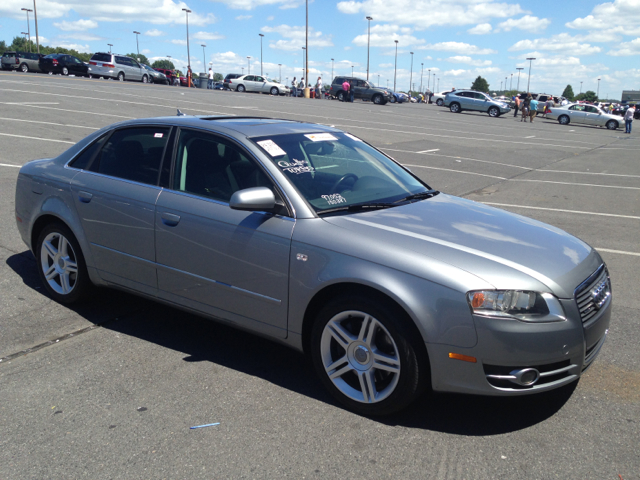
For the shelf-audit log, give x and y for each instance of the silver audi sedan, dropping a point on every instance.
(309, 236)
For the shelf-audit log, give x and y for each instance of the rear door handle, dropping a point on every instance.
(169, 219)
(85, 197)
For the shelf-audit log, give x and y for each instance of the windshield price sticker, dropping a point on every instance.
(297, 166)
(352, 137)
(272, 148)
(158, 135)
(334, 199)
(321, 137)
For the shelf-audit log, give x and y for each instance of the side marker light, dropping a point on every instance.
(464, 358)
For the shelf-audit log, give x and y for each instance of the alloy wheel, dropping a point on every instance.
(59, 263)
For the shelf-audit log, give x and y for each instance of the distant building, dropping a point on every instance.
(630, 96)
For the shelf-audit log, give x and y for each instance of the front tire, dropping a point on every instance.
(494, 112)
(367, 356)
(24, 68)
(145, 79)
(564, 120)
(440, 102)
(241, 88)
(455, 108)
(612, 125)
(275, 91)
(377, 99)
(61, 265)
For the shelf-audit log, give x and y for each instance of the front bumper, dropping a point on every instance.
(560, 351)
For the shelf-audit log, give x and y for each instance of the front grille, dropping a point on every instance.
(593, 294)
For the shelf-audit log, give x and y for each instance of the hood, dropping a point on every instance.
(505, 249)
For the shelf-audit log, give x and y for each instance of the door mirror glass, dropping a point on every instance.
(253, 199)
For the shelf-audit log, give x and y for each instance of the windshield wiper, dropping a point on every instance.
(415, 196)
(359, 207)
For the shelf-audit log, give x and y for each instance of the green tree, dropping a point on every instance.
(568, 93)
(168, 64)
(217, 77)
(141, 58)
(588, 96)
(480, 85)
(3, 46)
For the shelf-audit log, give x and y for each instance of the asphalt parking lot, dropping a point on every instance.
(109, 389)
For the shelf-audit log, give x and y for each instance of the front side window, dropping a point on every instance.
(213, 167)
(132, 154)
(579, 108)
(338, 170)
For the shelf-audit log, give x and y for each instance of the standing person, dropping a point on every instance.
(345, 88)
(516, 99)
(628, 119)
(301, 85)
(210, 82)
(319, 88)
(351, 92)
(525, 107)
(533, 109)
(294, 92)
(611, 109)
(547, 106)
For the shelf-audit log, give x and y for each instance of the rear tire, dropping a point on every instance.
(121, 77)
(384, 367)
(341, 96)
(440, 102)
(24, 68)
(65, 71)
(61, 265)
(564, 120)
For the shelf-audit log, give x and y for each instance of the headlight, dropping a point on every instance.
(516, 304)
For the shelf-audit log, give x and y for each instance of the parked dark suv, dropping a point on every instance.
(361, 89)
(228, 78)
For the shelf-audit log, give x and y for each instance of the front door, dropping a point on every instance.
(227, 263)
(578, 114)
(115, 197)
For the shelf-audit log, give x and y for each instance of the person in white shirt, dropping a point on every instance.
(628, 118)
(302, 84)
(319, 88)
(210, 82)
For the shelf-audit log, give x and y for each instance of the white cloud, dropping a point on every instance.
(458, 47)
(207, 36)
(428, 13)
(270, 18)
(74, 46)
(385, 36)
(145, 51)
(621, 16)
(46, 9)
(244, 17)
(480, 29)
(469, 61)
(626, 49)
(251, 4)
(557, 43)
(527, 23)
(77, 26)
(154, 33)
(83, 37)
(455, 73)
(295, 38)
(347, 48)
(179, 42)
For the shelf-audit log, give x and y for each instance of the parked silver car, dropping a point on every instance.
(311, 237)
(23, 61)
(460, 100)
(118, 67)
(260, 84)
(584, 114)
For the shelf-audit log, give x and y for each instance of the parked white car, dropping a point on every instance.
(584, 114)
(438, 98)
(260, 84)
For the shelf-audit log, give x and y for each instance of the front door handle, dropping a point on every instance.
(169, 219)
(84, 197)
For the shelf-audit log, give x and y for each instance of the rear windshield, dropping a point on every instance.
(101, 57)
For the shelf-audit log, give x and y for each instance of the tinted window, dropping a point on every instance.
(122, 60)
(133, 154)
(213, 167)
(580, 108)
(84, 159)
(248, 78)
(102, 57)
(258, 79)
(339, 80)
(591, 109)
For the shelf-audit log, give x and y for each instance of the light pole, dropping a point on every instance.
(519, 70)
(242, 70)
(434, 82)
(261, 35)
(505, 82)
(428, 79)
(204, 57)
(598, 93)
(411, 75)
(378, 84)
(280, 73)
(26, 35)
(368, 43)
(421, 74)
(395, 69)
(580, 87)
(511, 83)
(248, 66)
(35, 16)
(531, 59)
(332, 69)
(28, 26)
(137, 45)
(110, 45)
(438, 83)
(304, 51)
(187, 12)
(352, 70)
(500, 85)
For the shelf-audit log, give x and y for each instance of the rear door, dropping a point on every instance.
(115, 196)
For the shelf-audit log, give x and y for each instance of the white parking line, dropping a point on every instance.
(427, 151)
(621, 252)
(76, 111)
(456, 171)
(531, 136)
(47, 123)
(589, 173)
(576, 184)
(458, 158)
(37, 138)
(560, 210)
(30, 103)
(8, 165)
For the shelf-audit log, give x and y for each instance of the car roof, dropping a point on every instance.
(246, 126)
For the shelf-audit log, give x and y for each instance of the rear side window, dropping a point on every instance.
(338, 80)
(84, 159)
(101, 57)
(133, 154)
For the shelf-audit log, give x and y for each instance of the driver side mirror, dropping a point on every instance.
(256, 199)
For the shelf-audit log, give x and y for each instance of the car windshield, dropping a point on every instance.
(336, 169)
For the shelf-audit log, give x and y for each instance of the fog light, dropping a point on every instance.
(530, 377)
(525, 377)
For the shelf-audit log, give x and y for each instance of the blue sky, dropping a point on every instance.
(573, 40)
